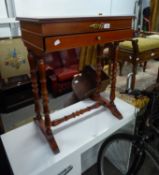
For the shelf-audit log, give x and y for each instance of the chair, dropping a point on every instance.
(61, 67)
(137, 51)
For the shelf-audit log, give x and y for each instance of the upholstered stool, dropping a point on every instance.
(137, 51)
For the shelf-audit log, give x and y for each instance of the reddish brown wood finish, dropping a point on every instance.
(46, 124)
(78, 27)
(44, 94)
(49, 136)
(75, 114)
(79, 40)
(42, 36)
(67, 26)
(111, 106)
(114, 52)
(35, 89)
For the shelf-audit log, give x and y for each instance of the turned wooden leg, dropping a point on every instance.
(34, 85)
(134, 70)
(98, 69)
(144, 67)
(109, 69)
(114, 51)
(121, 64)
(44, 93)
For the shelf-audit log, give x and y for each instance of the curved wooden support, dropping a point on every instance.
(35, 90)
(49, 136)
(110, 106)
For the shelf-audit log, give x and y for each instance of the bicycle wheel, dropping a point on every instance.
(123, 154)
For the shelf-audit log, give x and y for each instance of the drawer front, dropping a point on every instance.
(85, 26)
(71, 41)
(143, 56)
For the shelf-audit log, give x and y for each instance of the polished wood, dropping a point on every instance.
(35, 89)
(44, 94)
(75, 114)
(42, 36)
(79, 40)
(66, 26)
(111, 106)
(48, 135)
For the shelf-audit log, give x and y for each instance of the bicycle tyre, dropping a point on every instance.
(125, 161)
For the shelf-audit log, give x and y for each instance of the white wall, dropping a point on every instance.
(61, 8)
(146, 3)
(54, 8)
(122, 7)
(3, 12)
(4, 28)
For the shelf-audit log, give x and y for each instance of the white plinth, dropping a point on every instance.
(29, 153)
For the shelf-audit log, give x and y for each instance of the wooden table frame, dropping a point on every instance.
(42, 36)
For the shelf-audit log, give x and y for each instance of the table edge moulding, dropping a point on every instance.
(42, 36)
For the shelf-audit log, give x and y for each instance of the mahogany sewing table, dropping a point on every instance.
(42, 36)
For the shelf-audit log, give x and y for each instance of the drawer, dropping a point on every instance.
(86, 25)
(73, 41)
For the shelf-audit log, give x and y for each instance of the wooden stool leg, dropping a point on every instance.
(121, 64)
(34, 85)
(157, 80)
(144, 67)
(109, 69)
(134, 70)
(47, 126)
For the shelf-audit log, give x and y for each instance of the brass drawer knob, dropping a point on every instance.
(99, 38)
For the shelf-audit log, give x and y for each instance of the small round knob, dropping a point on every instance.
(99, 38)
(152, 54)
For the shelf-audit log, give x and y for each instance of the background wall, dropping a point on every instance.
(4, 28)
(74, 8)
(55, 8)
(146, 3)
(62, 7)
